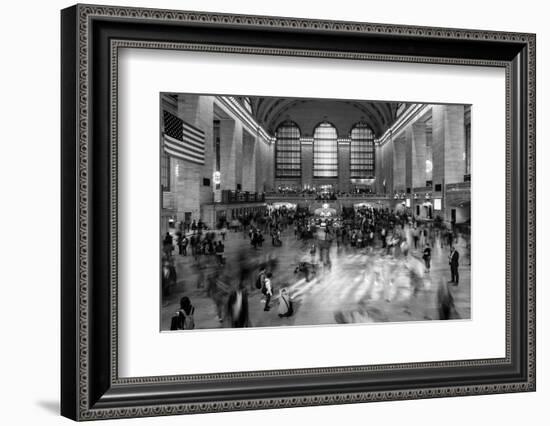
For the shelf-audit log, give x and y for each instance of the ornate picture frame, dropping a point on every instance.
(91, 37)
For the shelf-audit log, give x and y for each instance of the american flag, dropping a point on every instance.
(182, 140)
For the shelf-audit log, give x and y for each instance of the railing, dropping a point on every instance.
(423, 189)
(315, 197)
(364, 195)
(458, 186)
(234, 197)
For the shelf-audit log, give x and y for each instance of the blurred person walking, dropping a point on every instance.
(453, 262)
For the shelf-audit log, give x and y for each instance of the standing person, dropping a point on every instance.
(179, 236)
(183, 243)
(194, 226)
(194, 246)
(427, 256)
(260, 238)
(415, 237)
(267, 290)
(223, 232)
(168, 244)
(450, 238)
(169, 277)
(220, 249)
(237, 305)
(423, 238)
(254, 240)
(453, 262)
(371, 238)
(260, 279)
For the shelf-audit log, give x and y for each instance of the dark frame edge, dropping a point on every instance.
(69, 191)
(73, 394)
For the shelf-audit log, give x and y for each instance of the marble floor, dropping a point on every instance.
(361, 285)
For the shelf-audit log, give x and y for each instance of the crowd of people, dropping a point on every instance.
(388, 238)
(324, 194)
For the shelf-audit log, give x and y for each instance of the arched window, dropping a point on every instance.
(325, 151)
(288, 162)
(361, 152)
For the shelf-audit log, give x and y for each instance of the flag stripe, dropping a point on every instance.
(198, 132)
(198, 157)
(183, 156)
(183, 145)
(192, 140)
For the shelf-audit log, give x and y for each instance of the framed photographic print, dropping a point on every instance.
(263, 212)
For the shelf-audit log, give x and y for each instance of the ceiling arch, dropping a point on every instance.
(307, 112)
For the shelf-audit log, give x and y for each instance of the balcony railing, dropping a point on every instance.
(457, 186)
(234, 197)
(306, 196)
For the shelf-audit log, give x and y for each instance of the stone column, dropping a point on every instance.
(249, 162)
(399, 164)
(190, 191)
(448, 146)
(416, 156)
(384, 168)
(231, 154)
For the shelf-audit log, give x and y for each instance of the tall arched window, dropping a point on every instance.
(361, 152)
(325, 151)
(288, 162)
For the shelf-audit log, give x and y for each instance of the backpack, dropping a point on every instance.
(189, 321)
(180, 321)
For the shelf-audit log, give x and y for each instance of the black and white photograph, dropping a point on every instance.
(281, 211)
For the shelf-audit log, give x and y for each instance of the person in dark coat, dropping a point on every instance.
(445, 301)
(237, 306)
(168, 244)
(427, 256)
(453, 262)
(169, 278)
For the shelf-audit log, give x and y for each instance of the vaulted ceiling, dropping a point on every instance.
(307, 113)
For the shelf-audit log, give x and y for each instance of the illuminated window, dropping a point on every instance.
(362, 152)
(288, 151)
(325, 151)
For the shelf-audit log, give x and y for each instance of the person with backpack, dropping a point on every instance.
(184, 319)
(260, 279)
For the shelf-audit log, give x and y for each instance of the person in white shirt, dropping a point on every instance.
(267, 290)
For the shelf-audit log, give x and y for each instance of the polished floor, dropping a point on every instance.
(360, 286)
